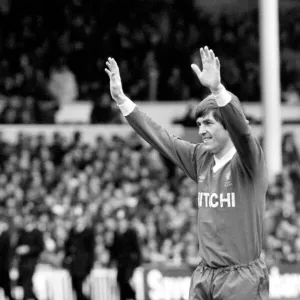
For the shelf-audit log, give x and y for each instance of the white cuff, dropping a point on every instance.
(223, 98)
(127, 107)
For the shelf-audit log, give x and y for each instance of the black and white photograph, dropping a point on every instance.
(149, 149)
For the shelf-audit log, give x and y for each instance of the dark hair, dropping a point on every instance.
(207, 105)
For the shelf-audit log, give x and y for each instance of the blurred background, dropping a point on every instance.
(67, 155)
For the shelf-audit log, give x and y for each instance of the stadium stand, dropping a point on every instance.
(57, 179)
(155, 40)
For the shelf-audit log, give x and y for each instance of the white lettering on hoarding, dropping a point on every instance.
(167, 288)
(284, 285)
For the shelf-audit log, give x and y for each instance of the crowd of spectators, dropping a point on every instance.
(58, 179)
(54, 52)
(283, 208)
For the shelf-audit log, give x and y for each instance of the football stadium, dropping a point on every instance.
(116, 182)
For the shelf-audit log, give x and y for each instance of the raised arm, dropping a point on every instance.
(248, 148)
(182, 153)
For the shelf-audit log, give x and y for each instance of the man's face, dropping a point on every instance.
(215, 137)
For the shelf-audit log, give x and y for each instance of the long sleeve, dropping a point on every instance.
(67, 244)
(5, 250)
(248, 148)
(90, 246)
(126, 248)
(34, 239)
(38, 246)
(136, 246)
(182, 153)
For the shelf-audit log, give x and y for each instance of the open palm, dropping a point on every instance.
(210, 75)
(115, 82)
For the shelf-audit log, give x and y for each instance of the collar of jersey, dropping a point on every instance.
(219, 163)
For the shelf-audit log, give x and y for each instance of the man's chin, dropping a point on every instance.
(208, 147)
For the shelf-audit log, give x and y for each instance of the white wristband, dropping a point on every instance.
(223, 98)
(127, 107)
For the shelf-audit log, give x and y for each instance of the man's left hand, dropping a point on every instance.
(210, 75)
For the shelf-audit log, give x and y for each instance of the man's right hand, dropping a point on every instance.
(115, 83)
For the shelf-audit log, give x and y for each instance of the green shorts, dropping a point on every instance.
(237, 282)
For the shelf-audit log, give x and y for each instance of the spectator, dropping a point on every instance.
(176, 88)
(125, 251)
(104, 112)
(29, 247)
(5, 256)
(291, 95)
(62, 83)
(79, 253)
(289, 149)
(188, 119)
